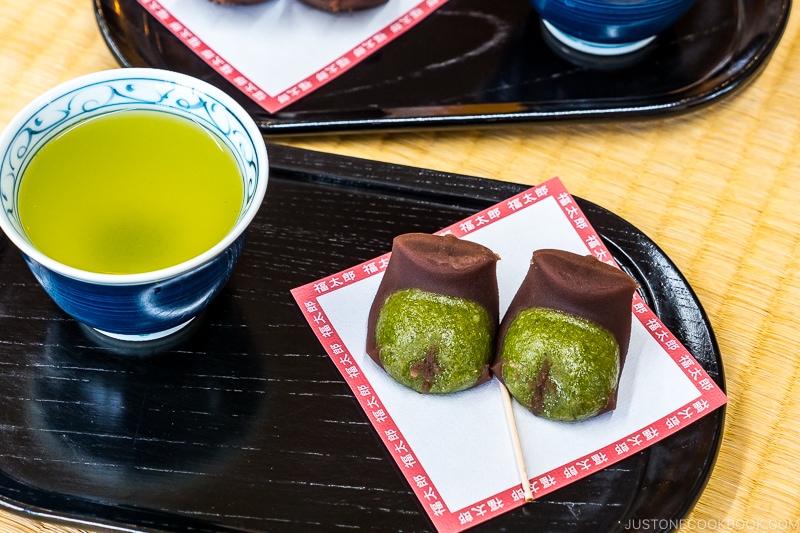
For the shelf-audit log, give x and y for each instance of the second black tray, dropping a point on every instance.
(473, 63)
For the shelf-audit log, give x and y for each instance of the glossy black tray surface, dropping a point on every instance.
(476, 62)
(247, 425)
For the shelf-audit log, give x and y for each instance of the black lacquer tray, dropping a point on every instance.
(476, 62)
(247, 425)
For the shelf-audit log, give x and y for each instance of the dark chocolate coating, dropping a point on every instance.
(580, 285)
(442, 265)
(335, 6)
(238, 2)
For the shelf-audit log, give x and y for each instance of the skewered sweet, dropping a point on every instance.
(433, 322)
(563, 341)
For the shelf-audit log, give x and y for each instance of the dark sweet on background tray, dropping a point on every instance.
(335, 6)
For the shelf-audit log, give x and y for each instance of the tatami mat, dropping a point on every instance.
(717, 189)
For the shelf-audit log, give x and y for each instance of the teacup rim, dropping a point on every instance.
(118, 74)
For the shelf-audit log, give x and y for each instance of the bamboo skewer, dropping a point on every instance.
(512, 427)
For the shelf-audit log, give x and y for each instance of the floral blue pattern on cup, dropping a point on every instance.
(140, 92)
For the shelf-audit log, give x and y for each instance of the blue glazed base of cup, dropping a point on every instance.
(145, 337)
(140, 312)
(609, 27)
(596, 48)
(143, 345)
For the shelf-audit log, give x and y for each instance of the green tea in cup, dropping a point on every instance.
(130, 191)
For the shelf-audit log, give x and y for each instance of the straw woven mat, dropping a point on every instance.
(716, 189)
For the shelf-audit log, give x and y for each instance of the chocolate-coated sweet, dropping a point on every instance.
(433, 321)
(336, 6)
(238, 2)
(583, 307)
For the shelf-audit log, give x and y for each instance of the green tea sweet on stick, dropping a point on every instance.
(563, 341)
(433, 322)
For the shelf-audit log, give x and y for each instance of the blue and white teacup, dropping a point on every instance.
(148, 305)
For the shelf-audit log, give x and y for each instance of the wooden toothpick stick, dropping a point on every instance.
(512, 427)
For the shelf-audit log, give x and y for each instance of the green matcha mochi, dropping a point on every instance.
(433, 343)
(432, 325)
(563, 341)
(560, 366)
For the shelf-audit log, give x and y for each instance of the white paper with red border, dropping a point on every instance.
(450, 447)
(281, 50)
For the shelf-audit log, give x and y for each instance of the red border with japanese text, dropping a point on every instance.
(454, 520)
(274, 103)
